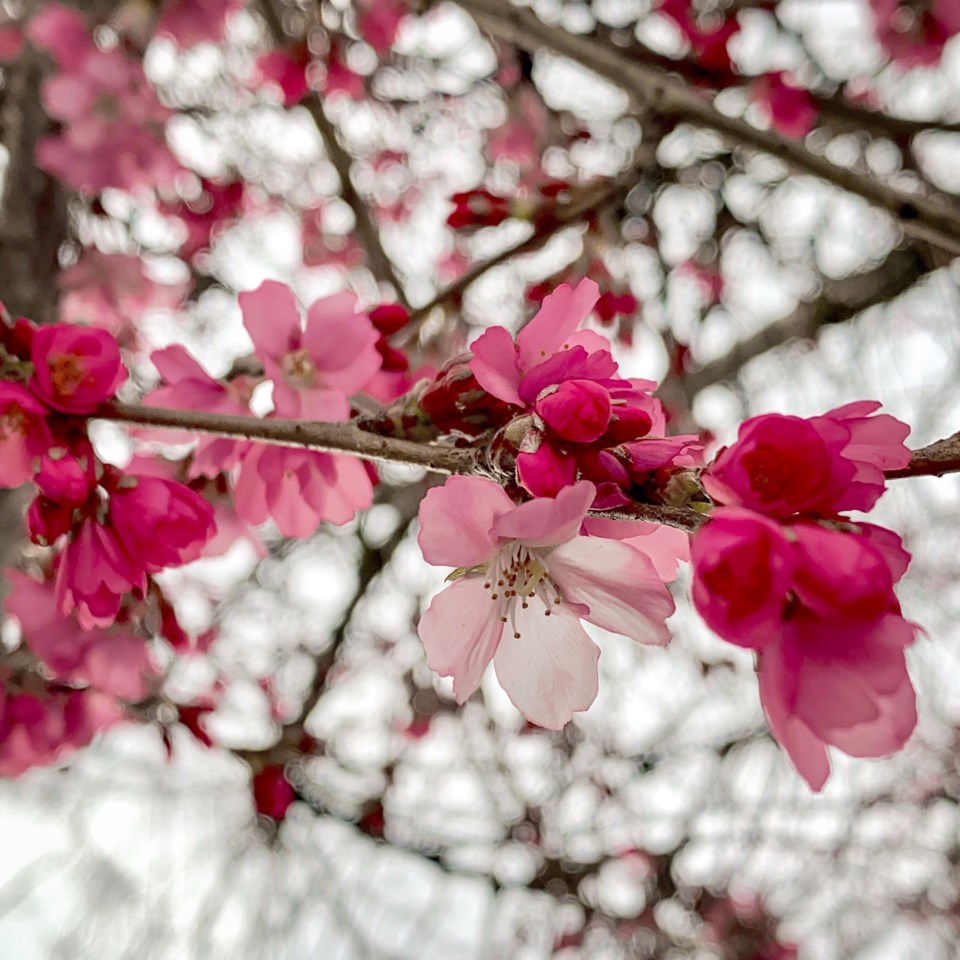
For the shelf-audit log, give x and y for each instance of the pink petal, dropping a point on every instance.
(176, 363)
(456, 521)
(665, 546)
(547, 520)
(546, 472)
(559, 316)
(460, 631)
(342, 343)
(549, 671)
(619, 585)
(494, 364)
(272, 318)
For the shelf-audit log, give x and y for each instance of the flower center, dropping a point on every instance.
(516, 576)
(299, 369)
(12, 420)
(66, 373)
(107, 107)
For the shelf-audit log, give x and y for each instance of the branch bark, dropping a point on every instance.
(926, 218)
(935, 460)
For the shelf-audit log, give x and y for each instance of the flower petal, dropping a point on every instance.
(619, 585)
(272, 318)
(494, 364)
(457, 519)
(460, 631)
(549, 671)
(547, 520)
(559, 316)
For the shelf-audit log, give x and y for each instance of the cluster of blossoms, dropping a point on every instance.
(780, 570)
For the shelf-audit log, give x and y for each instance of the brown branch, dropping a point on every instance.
(926, 218)
(935, 460)
(345, 437)
(839, 301)
(380, 264)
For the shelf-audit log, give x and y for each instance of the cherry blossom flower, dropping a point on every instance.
(334, 351)
(379, 22)
(62, 32)
(75, 368)
(113, 291)
(525, 579)
(205, 211)
(791, 110)
(24, 434)
(105, 98)
(781, 465)
(709, 45)
(272, 792)
(287, 70)
(189, 22)
(915, 35)
(115, 661)
(40, 731)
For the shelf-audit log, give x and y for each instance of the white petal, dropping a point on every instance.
(619, 585)
(550, 670)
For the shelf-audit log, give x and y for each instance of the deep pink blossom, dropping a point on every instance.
(189, 22)
(112, 661)
(478, 208)
(287, 70)
(709, 46)
(159, 522)
(204, 210)
(40, 731)
(743, 568)
(913, 34)
(272, 792)
(525, 579)
(334, 351)
(75, 368)
(379, 22)
(24, 434)
(841, 684)
(782, 465)
(791, 110)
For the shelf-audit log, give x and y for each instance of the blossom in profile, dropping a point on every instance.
(24, 434)
(525, 578)
(75, 368)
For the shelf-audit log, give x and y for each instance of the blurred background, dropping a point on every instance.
(318, 146)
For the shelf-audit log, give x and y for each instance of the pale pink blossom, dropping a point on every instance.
(335, 350)
(62, 32)
(525, 579)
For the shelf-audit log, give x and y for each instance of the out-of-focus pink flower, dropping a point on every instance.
(287, 70)
(189, 22)
(521, 136)
(379, 22)
(298, 489)
(707, 40)
(782, 465)
(75, 368)
(62, 32)
(525, 580)
(113, 291)
(478, 208)
(106, 98)
(206, 210)
(339, 79)
(187, 386)
(24, 434)
(159, 522)
(838, 683)
(11, 41)
(37, 732)
(791, 110)
(272, 792)
(114, 661)
(915, 35)
(334, 351)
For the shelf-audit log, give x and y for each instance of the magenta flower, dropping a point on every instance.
(842, 684)
(189, 22)
(114, 661)
(334, 351)
(159, 522)
(75, 368)
(24, 434)
(791, 110)
(525, 580)
(915, 37)
(782, 465)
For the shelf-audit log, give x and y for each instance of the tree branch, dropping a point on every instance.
(935, 460)
(380, 264)
(932, 219)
